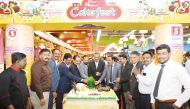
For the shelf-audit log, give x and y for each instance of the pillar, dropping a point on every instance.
(1, 51)
(171, 34)
(20, 38)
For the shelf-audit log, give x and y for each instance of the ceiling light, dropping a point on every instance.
(98, 35)
(42, 46)
(188, 41)
(65, 32)
(61, 36)
(69, 41)
(120, 41)
(125, 39)
(83, 32)
(143, 31)
(132, 37)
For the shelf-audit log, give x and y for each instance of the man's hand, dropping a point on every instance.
(153, 105)
(115, 88)
(29, 104)
(97, 82)
(136, 71)
(85, 81)
(98, 74)
(11, 107)
(54, 95)
(117, 80)
(175, 107)
(130, 97)
(42, 102)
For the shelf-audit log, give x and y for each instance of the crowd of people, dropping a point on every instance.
(138, 81)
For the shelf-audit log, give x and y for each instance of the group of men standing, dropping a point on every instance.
(137, 84)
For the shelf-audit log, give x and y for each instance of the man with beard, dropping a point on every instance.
(74, 66)
(145, 79)
(96, 67)
(66, 79)
(41, 81)
(14, 92)
(170, 77)
(54, 77)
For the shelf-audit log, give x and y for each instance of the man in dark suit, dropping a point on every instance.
(134, 94)
(74, 66)
(124, 79)
(66, 78)
(96, 67)
(110, 74)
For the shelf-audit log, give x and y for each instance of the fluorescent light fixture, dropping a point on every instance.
(132, 37)
(98, 35)
(125, 39)
(120, 41)
(188, 41)
(65, 32)
(143, 31)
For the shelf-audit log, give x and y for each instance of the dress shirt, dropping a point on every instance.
(173, 78)
(134, 65)
(146, 79)
(96, 63)
(187, 66)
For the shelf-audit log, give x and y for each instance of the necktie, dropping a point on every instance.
(155, 93)
(111, 75)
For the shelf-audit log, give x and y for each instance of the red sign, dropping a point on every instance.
(9, 8)
(94, 9)
(11, 32)
(176, 31)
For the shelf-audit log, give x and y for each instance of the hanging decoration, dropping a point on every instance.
(9, 8)
(179, 7)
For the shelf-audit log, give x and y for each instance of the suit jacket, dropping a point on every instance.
(74, 70)
(92, 69)
(66, 78)
(125, 76)
(116, 70)
(83, 69)
(134, 83)
(55, 75)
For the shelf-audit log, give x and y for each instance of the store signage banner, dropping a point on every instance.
(94, 9)
(1, 52)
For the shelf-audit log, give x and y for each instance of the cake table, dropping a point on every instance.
(84, 98)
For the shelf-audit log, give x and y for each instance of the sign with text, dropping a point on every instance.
(94, 9)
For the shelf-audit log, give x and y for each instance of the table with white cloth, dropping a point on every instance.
(84, 98)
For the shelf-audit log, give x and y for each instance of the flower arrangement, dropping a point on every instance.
(91, 82)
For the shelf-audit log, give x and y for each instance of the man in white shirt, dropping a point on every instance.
(187, 63)
(187, 66)
(170, 77)
(145, 79)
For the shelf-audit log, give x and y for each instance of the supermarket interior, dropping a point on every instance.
(88, 27)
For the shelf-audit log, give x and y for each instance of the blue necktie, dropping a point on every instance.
(111, 75)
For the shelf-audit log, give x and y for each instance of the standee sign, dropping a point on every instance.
(94, 9)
